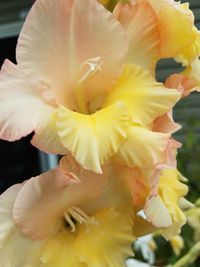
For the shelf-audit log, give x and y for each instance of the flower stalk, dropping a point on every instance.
(190, 257)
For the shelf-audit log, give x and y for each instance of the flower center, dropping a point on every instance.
(88, 70)
(74, 215)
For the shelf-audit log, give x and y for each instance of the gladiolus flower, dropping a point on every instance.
(73, 88)
(164, 29)
(162, 207)
(64, 218)
(85, 84)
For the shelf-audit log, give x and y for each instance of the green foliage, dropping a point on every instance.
(189, 156)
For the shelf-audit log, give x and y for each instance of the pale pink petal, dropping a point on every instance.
(70, 165)
(166, 124)
(142, 148)
(22, 109)
(40, 206)
(20, 251)
(141, 25)
(185, 84)
(170, 156)
(7, 200)
(155, 209)
(138, 185)
(157, 212)
(59, 36)
(47, 139)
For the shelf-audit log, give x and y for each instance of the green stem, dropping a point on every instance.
(190, 257)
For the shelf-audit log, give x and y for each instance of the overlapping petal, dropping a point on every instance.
(46, 137)
(7, 200)
(157, 213)
(82, 94)
(175, 22)
(166, 123)
(22, 107)
(93, 139)
(188, 55)
(54, 189)
(162, 207)
(145, 98)
(59, 36)
(20, 251)
(15, 248)
(143, 148)
(59, 250)
(192, 72)
(43, 200)
(188, 81)
(103, 246)
(171, 190)
(141, 24)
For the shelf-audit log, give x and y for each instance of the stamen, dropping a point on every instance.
(69, 220)
(78, 215)
(93, 66)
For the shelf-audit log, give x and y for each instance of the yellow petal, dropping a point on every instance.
(157, 213)
(140, 23)
(193, 72)
(171, 190)
(20, 251)
(106, 243)
(175, 22)
(93, 139)
(189, 53)
(7, 200)
(184, 82)
(58, 251)
(143, 148)
(166, 123)
(145, 98)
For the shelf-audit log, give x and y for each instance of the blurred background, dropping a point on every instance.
(19, 160)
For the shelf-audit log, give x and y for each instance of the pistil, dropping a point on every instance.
(93, 66)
